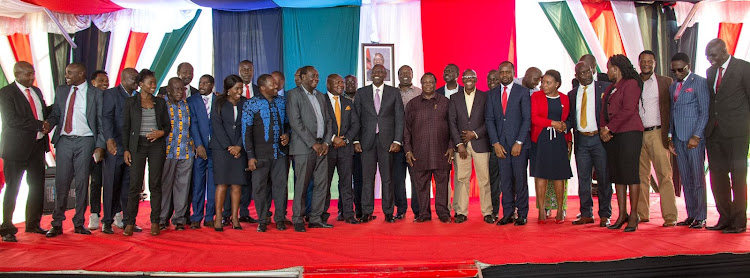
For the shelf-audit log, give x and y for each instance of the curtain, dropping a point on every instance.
(478, 36)
(688, 44)
(237, 5)
(658, 27)
(730, 34)
(68, 7)
(588, 32)
(92, 48)
(132, 52)
(567, 30)
(254, 36)
(59, 56)
(312, 38)
(627, 22)
(3, 81)
(170, 48)
(21, 47)
(603, 21)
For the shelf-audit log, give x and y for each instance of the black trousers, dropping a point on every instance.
(424, 186)
(357, 186)
(371, 159)
(341, 160)
(728, 156)
(495, 183)
(155, 154)
(270, 184)
(14, 169)
(95, 187)
(116, 185)
(400, 168)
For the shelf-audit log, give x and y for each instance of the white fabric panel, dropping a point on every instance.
(198, 50)
(145, 21)
(576, 8)
(17, 8)
(627, 23)
(7, 59)
(743, 45)
(157, 5)
(117, 41)
(39, 43)
(150, 47)
(708, 29)
(724, 11)
(42, 22)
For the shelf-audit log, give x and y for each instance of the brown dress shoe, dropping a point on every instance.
(669, 224)
(583, 220)
(155, 229)
(604, 222)
(128, 230)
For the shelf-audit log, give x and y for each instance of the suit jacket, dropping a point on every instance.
(459, 120)
(131, 126)
(93, 113)
(390, 120)
(600, 77)
(729, 108)
(441, 90)
(540, 114)
(349, 120)
(113, 107)
(19, 125)
(690, 111)
(620, 107)
(572, 121)
(200, 123)
(227, 130)
(514, 125)
(663, 83)
(163, 92)
(304, 122)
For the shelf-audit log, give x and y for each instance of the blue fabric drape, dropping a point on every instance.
(254, 36)
(236, 5)
(317, 3)
(326, 38)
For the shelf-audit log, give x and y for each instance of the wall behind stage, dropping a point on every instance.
(478, 36)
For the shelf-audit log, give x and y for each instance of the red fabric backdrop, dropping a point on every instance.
(478, 36)
(132, 52)
(730, 33)
(79, 7)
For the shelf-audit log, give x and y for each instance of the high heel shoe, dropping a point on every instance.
(633, 228)
(220, 228)
(238, 227)
(618, 224)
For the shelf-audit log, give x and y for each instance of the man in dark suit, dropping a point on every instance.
(184, 72)
(279, 78)
(727, 135)
(381, 117)
(590, 61)
(249, 90)
(508, 121)
(690, 100)
(100, 80)
(77, 114)
(493, 81)
(345, 126)
(350, 91)
(116, 176)
(23, 142)
(469, 134)
(585, 106)
(309, 144)
(450, 76)
(204, 188)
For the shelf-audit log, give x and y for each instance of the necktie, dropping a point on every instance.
(677, 92)
(584, 121)
(718, 80)
(377, 108)
(337, 112)
(208, 108)
(247, 91)
(31, 103)
(505, 98)
(69, 113)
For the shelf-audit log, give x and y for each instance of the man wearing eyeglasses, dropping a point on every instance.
(654, 111)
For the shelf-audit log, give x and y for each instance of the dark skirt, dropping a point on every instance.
(227, 169)
(623, 157)
(549, 158)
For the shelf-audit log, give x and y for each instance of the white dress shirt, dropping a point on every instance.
(37, 105)
(80, 123)
(245, 88)
(591, 125)
(449, 92)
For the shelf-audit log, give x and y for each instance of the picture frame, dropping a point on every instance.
(376, 53)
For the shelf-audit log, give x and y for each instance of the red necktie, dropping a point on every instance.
(31, 103)
(69, 115)
(718, 79)
(247, 91)
(505, 98)
(677, 92)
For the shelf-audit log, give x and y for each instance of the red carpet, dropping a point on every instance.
(375, 246)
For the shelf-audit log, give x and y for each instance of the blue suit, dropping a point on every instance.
(506, 128)
(689, 118)
(116, 174)
(204, 187)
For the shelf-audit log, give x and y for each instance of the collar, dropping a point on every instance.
(726, 63)
(331, 95)
(22, 87)
(472, 93)
(207, 96)
(509, 86)
(82, 87)
(306, 91)
(376, 87)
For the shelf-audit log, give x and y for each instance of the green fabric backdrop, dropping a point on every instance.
(170, 47)
(567, 30)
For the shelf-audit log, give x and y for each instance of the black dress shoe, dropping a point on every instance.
(37, 230)
(81, 230)
(340, 217)
(445, 219)
(366, 218)
(248, 219)
(422, 219)
(319, 225)
(698, 224)
(461, 218)
(179, 227)
(325, 217)
(520, 221)
(55, 231)
(389, 218)
(107, 229)
(262, 228)
(400, 216)
(307, 219)
(299, 227)
(505, 221)
(220, 229)
(137, 229)
(352, 220)
(718, 227)
(195, 225)
(281, 226)
(489, 219)
(10, 238)
(688, 221)
(734, 230)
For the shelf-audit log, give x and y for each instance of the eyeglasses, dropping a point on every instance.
(680, 70)
(469, 76)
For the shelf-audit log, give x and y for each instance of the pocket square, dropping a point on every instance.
(348, 107)
(689, 90)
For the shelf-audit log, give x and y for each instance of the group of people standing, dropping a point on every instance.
(215, 152)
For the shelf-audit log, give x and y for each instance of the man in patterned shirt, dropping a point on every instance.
(179, 163)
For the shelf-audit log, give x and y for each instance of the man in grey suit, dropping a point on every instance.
(311, 137)
(77, 118)
(381, 117)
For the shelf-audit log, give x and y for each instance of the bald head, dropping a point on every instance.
(24, 73)
(532, 78)
(584, 74)
(128, 79)
(716, 52)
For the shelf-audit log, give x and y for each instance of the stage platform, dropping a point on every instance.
(401, 249)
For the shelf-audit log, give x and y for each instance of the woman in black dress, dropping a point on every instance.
(226, 147)
(550, 143)
(145, 126)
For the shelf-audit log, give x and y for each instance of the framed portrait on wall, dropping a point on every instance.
(378, 54)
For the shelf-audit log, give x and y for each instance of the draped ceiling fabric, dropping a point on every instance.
(86, 7)
(489, 26)
(311, 38)
(254, 36)
(17, 8)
